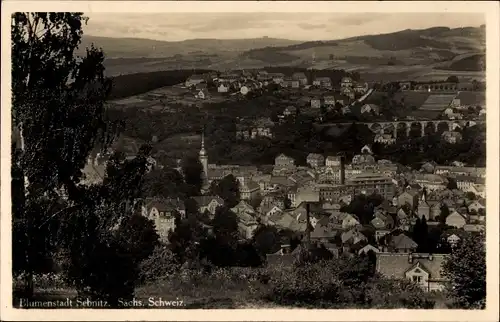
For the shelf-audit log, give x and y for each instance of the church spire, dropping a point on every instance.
(203, 157)
(203, 152)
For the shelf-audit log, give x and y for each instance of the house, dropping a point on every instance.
(366, 149)
(277, 77)
(432, 182)
(424, 269)
(249, 189)
(465, 182)
(349, 220)
(301, 77)
(262, 127)
(361, 88)
(451, 137)
(456, 219)
(402, 244)
(428, 167)
(383, 224)
(243, 207)
(454, 171)
(409, 197)
(386, 139)
(162, 212)
(290, 110)
(283, 160)
(333, 161)
(203, 94)
(323, 232)
(304, 194)
(453, 239)
(268, 210)
(208, 203)
(222, 88)
(263, 75)
(330, 101)
(346, 82)
(352, 237)
(315, 160)
(476, 206)
(323, 82)
(452, 236)
(290, 82)
(194, 80)
(247, 224)
(367, 249)
(370, 109)
(448, 111)
(348, 91)
(315, 103)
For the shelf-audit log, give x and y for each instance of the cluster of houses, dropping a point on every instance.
(225, 83)
(284, 195)
(244, 82)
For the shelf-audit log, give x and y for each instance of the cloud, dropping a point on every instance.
(297, 26)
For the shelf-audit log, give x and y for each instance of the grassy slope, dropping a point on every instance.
(415, 53)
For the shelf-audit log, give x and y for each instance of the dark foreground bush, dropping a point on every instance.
(320, 285)
(392, 293)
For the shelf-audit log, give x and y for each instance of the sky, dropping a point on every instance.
(293, 26)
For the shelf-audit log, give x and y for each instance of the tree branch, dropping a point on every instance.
(59, 212)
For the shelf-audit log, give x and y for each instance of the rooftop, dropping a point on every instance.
(397, 264)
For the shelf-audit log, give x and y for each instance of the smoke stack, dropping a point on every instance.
(342, 171)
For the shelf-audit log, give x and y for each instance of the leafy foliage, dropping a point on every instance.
(162, 262)
(228, 189)
(59, 114)
(363, 206)
(341, 283)
(192, 171)
(466, 270)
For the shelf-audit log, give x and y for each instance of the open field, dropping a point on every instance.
(161, 98)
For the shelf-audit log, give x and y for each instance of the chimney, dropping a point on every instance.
(342, 171)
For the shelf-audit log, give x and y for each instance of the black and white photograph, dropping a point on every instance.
(266, 159)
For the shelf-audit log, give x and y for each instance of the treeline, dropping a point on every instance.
(473, 63)
(134, 84)
(415, 150)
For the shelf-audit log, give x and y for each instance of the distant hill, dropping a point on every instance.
(404, 54)
(148, 48)
(405, 48)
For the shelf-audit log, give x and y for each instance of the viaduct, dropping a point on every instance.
(407, 125)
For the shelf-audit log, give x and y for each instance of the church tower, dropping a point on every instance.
(204, 158)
